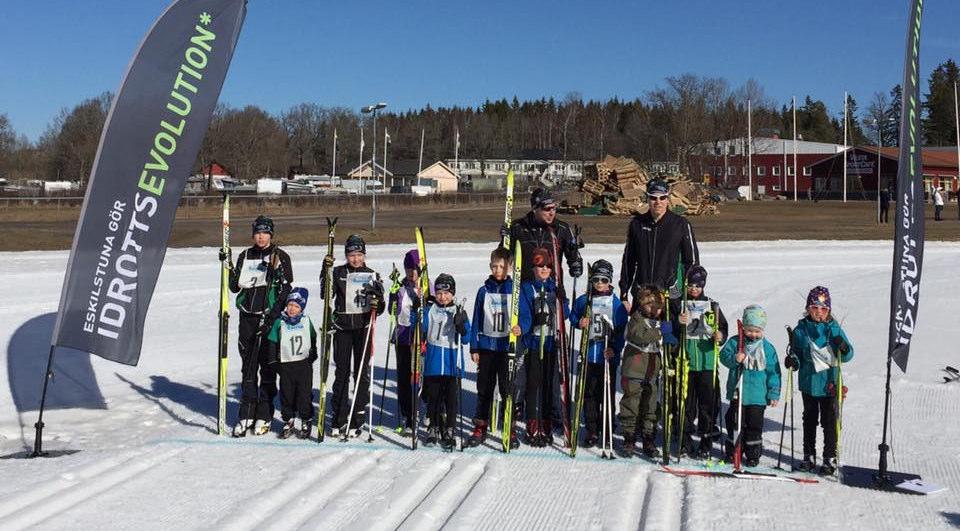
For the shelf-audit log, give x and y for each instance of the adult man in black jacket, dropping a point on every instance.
(541, 228)
(655, 241)
(261, 277)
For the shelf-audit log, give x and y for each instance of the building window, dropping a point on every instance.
(731, 150)
(807, 171)
(731, 170)
(744, 170)
(761, 171)
(674, 168)
(658, 167)
(776, 188)
(790, 170)
(718, 171)
(776, 171)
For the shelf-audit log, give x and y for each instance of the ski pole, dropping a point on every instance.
(359, 375)
(783, 423)
(370, 384)
(460, 381)
(792, 455)
(386, 369)
(607, 417)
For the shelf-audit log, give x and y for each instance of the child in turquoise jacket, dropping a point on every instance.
(817, 343)
(759, 367)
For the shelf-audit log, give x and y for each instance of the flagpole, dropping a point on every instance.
(456, 157)
(956, 113)
(749, 152)
(420, 165)
(795, 168)
(386, 137)
(845, 146)
(334, 174)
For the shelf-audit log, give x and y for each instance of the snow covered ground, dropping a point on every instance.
(150, 458)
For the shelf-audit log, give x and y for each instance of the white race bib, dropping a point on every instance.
(405, 311)
(355, 302)
(442, 333)
(823, 357)
(496, 309)
(697, 310)
(602, 305)
(756, 359)
(294, 341)
(254, 273)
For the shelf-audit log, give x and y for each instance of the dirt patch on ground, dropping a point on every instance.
(26, 228)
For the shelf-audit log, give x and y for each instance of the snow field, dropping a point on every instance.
(151, 459)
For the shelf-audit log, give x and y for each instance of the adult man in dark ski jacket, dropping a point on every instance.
(541, 228)
(655, 241)
(261, 277)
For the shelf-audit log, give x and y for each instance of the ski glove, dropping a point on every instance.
(328, 261)
(460, 322)
(576, 268)
(225, 256)
(504, 231)
(839, 345)
(541, 318)
(264, 329)
(313, 355)
(791, 362)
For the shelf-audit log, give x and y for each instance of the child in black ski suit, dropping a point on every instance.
(358, 297)
(261, 279)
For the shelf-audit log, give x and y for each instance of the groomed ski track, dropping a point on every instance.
(150, 460)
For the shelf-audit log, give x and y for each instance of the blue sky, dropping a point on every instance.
(411, 53)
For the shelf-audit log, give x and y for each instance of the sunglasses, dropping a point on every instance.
(655, 198)
(549, 208)
(543, 266)
(601, 280)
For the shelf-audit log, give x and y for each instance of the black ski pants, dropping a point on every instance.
(347, 348)
(296, 390)
(752, 427)
(256, 395)
(884, 212)
(593, 396)
(442, 404)
(491, 369)
(404, 377)
(822, 409)
(540, 382)
(703, 401)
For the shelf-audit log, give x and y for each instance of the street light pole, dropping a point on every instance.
(373, 161)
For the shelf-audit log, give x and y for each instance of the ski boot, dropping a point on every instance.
(590, 440)
(752, 462)
(649, 447)
(546, 433)
(241, 428)
(829, 467)
(514, 440)
(287, 430)
(261, 427)
(405, 429)
(629, 445)
(433, 435)
(305, 428)
(809, 464)
(705, 448)
(532, 437)
(479, 434)
(448, 441)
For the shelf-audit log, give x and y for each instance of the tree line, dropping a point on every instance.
(663, 124)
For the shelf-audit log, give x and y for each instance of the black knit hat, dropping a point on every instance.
(445, 282)
(354, 243)
(263, 224)
(542, 198)
(697, 276)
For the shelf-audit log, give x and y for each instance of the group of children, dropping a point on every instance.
(640, 341)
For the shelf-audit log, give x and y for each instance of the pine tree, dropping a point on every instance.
(939, 125)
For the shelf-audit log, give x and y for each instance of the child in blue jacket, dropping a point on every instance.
(490, 340)
(605, 304)
(817, 343)
(538, 328)
(756, 362)
(445, 327)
